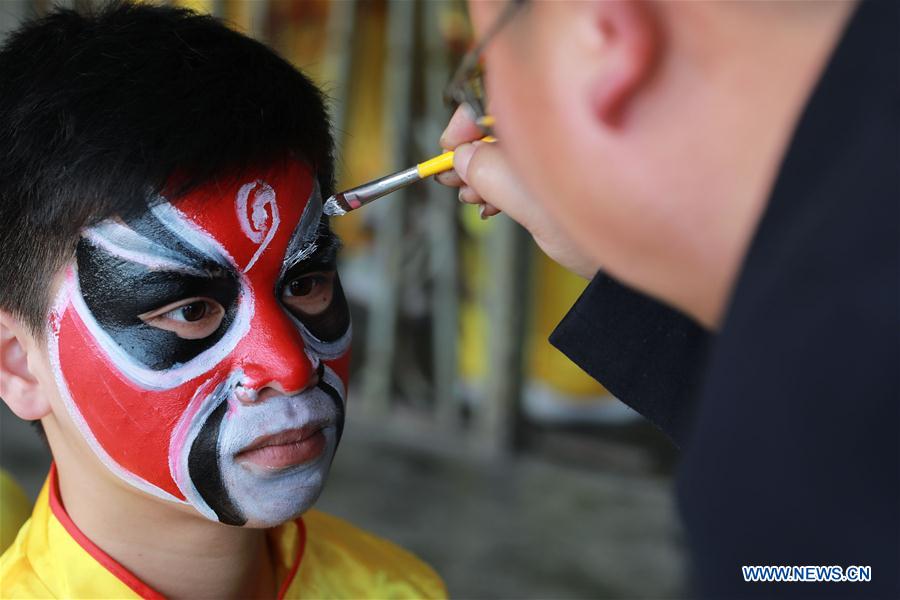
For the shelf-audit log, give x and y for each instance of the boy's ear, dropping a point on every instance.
(19, 387)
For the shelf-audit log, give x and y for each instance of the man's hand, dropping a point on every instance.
(484, 176)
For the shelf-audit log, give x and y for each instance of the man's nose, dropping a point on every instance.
(274, 358)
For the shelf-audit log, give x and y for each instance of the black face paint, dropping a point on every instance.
(150, 227)
(334, 321)
(206, 473)
(336, 399)
(117, 290)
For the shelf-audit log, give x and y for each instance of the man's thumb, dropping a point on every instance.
(483, 167)
(462, 155)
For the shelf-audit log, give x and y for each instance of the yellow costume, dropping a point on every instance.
(14, 509)
(319, 556)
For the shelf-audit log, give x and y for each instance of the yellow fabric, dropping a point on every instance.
(555, 291)
(201, 6)
(342, 561)
(472, 355)
(365, 143)
(46, 562)
(14, 509)
(338, 561)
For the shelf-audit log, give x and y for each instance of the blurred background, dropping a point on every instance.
(470, 440)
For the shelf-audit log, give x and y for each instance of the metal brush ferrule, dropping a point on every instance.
(367, 192)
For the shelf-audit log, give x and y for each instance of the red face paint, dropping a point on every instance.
(170, 415)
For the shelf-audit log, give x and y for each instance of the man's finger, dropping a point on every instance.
(488, 210)
(461, 158)
(449, 178)
(484, 168)
(469, 196)
(460, 129)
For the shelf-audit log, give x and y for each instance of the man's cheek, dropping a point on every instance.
(483, 14)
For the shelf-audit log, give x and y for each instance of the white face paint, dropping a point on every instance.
(268, 496)
(262, 494)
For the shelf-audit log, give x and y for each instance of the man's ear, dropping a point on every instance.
(628, 43)
(19, 388)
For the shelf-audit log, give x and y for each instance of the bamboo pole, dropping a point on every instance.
(442, 224)
(509, 251)
(381, 338)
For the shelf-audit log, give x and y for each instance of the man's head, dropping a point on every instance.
(169, 293)
(652, 131)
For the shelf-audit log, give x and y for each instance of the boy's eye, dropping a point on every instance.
(192, 319)
(310, 293)
(303, 286)
(191, 312)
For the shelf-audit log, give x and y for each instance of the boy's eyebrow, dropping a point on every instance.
(123, 242)
(320, 251)
(301, 254)
(323, 251)
(161, 240)
(306, 237)
(175, 280)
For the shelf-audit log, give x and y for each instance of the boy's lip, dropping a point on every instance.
(286, 448)
(288, 436)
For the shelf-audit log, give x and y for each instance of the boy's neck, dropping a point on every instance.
(179, 554)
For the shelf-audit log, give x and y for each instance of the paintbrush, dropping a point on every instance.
(344, 202)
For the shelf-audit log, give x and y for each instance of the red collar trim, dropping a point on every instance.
(301, 548)
(109, 563)
(124, 575)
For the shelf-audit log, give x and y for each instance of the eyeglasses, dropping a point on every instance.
(467, 84)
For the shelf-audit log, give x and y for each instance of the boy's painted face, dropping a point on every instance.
(202, 348)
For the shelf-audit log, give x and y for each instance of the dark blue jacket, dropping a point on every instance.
(789, 417)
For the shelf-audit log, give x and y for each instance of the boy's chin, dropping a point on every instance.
(266, 515)
(271, 520)
(271, 500)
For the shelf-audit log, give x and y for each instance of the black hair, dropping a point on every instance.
(100, 109)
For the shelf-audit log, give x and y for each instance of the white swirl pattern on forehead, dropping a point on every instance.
(260, 225)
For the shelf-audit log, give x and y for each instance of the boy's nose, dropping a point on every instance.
(274, 359)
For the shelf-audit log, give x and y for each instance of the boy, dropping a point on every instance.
(172, 315)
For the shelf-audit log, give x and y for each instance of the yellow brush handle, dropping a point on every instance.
(442, 163)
